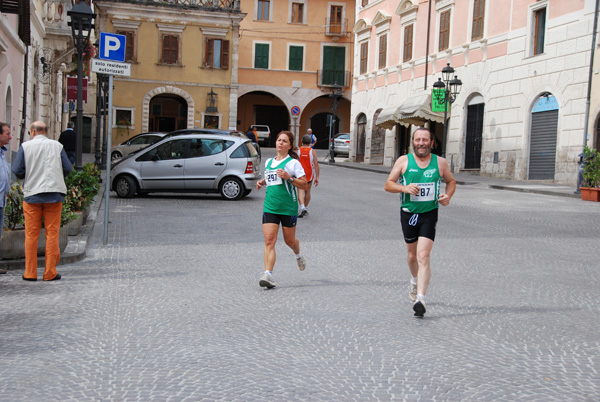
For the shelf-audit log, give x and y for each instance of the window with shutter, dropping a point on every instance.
(408, 43)
(444, 38)
(297, 13)
(216, 53)
(296, 56)
(364, 51)
(382, 51)
(263, 10)
(170, 49)
(261, 55)
(129, 45)
(478, 11)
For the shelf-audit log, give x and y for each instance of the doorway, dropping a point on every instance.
(167, 113)
(474, 136)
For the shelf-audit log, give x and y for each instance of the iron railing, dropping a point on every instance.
(336, 28)
(328, 78)
(209, 5)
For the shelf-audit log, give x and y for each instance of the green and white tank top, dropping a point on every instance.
(428, 179)
(281, 197)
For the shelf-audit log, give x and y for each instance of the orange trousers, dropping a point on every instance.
(33, 223)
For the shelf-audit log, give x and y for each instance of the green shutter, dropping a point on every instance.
(334, 65)
(296, 53)
(261, 56)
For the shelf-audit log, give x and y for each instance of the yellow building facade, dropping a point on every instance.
(183, 65)
(292, 55)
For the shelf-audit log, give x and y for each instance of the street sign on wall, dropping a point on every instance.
(72, 89)
(437, 99)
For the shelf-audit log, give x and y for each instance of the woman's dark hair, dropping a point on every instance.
(290, 136)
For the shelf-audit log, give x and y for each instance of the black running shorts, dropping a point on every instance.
(286, 221)
(418, 225)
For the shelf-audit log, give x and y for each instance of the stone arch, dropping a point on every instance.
(168, 89)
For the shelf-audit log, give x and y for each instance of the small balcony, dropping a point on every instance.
(327, 78)
(336, 29)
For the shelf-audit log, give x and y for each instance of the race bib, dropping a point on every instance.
(271, 178)
(426, 192)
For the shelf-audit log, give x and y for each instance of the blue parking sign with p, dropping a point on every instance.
(112, 46)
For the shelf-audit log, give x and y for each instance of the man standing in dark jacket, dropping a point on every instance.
(68, 139)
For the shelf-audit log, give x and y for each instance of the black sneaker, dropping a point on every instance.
(419, 307)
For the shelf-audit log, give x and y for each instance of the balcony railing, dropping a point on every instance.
(336, 28)
(212, 5)
(327, 78)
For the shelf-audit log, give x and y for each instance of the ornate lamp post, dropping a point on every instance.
(451, 87)
(81, 26)
(336, 94)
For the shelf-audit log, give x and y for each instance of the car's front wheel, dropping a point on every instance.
(125, 187)
(231, 189)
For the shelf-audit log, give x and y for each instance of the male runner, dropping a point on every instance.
(421, 174)
(308, 159)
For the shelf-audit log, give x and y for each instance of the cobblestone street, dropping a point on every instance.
(170, 309)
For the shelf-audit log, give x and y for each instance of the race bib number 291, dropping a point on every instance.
(426, 192)
(271, 178)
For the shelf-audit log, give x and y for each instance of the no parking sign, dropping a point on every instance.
(295, 110)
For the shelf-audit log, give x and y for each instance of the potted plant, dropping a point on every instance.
(82, 187)
(590, 187)
(12, 242)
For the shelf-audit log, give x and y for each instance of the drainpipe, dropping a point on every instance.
(24, 114)
(427, 45)
(587, 101)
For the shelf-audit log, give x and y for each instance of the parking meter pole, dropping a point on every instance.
(108, 159)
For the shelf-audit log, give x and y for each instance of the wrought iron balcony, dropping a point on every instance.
(328, 78)
(209, 5)
(336, 28)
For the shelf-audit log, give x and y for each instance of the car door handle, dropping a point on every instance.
(178, 166)
(219, 164)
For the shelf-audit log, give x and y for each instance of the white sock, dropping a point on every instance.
(302, 206)
(413, 281)
(269, 272)
(421, 297)
(298, 256)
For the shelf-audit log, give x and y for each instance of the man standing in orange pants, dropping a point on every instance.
(43, 163)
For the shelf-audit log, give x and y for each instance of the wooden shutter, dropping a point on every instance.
(296, 55)
(408, 43)
(170, 44)
(225, 54)
(478, 11)
(444, 30)
(335, 19)
(129, 44)
(209, 47)
(364, 51)
(261, 56)
(382, 51)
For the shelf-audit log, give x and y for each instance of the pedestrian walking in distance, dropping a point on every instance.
(421, 173)
(283, 174)
(68, 139)
(43, 163)
(313, 138)
(310, 164)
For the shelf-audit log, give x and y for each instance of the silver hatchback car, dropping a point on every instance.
(198, 163)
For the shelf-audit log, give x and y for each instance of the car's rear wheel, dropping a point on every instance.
(231, 189)
(125, 187)
(115, 156)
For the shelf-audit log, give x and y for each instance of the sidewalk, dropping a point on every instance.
(465, 178)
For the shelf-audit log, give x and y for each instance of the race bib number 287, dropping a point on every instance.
(426, 192)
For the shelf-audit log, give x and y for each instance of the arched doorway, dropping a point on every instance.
(377, 141)
(167, 113)
(474, 134)
(542, 143)
(361, 127)
(321, 124)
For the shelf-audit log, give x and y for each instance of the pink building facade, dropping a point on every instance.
(524, 67)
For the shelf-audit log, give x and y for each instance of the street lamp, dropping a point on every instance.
(336, 94)
(81, 26)
(451, 87)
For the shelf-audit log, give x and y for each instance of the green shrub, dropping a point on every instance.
(591, 168)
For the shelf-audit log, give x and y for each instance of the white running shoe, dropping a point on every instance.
(303, 213)
(301, 262)
(266, 281)
(412, 292)
(419, 307)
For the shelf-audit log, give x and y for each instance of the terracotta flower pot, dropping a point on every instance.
(590, 194)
